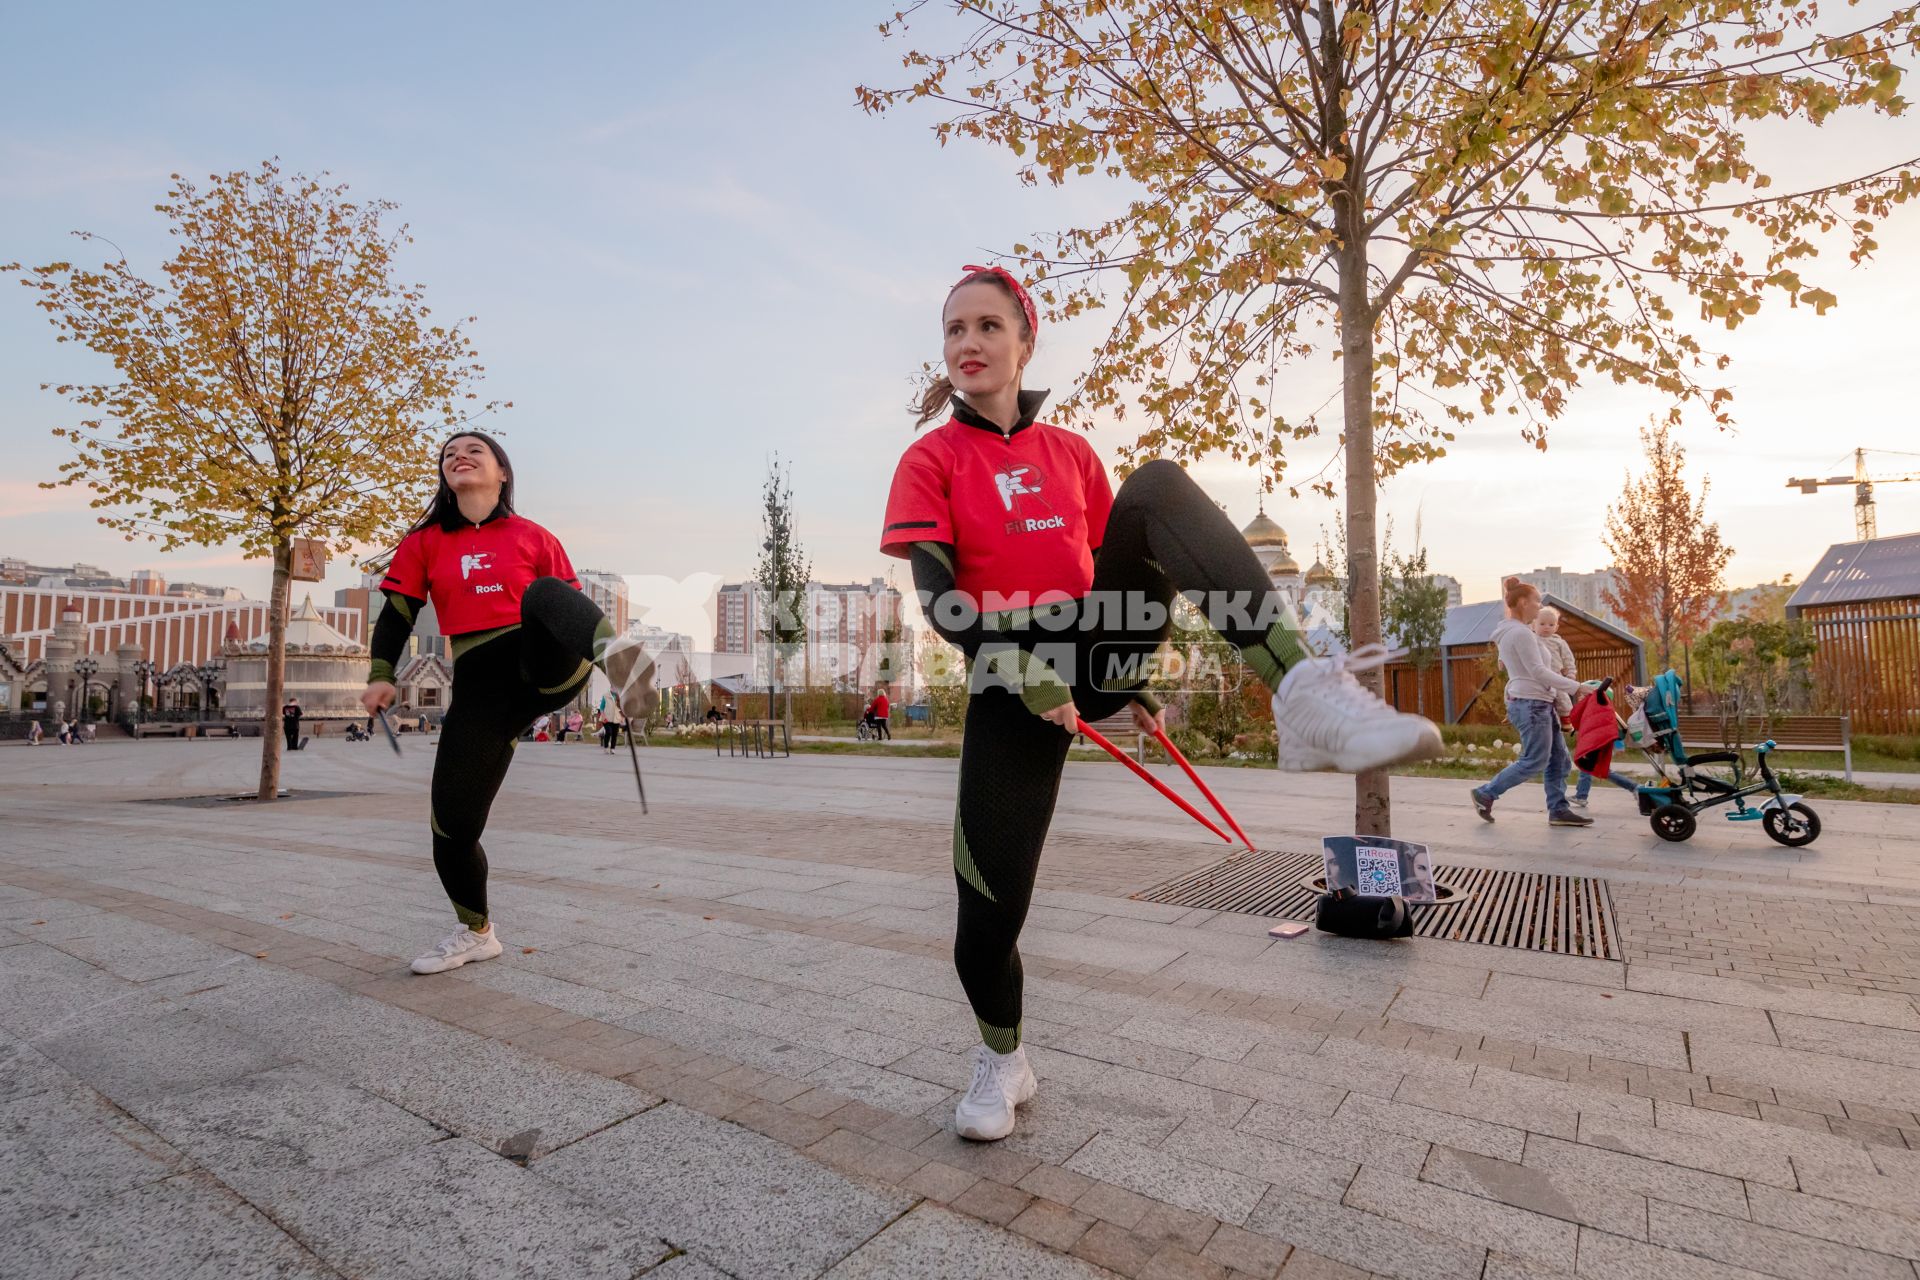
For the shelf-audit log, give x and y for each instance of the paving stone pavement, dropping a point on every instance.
(725, 1039)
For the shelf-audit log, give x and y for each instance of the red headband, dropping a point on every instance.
(1019, 292)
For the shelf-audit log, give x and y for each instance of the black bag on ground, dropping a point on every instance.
(1359, 915)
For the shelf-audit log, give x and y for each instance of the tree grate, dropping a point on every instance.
(1526, 910)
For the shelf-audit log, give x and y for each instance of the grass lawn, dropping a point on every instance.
(1482, 765)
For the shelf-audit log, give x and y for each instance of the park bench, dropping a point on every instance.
(1114, 729)
(761, 739)
(1789, 733)
(159, 729)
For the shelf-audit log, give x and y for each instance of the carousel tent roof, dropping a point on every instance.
(307, 630)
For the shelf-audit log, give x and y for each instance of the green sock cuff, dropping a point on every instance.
(1278, 652)
(380, 672)
(1000, 1039)
(475, 920)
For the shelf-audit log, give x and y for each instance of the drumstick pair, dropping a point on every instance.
(1166, 744)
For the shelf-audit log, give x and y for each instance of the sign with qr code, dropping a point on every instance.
(1377, 871)
(1379, 867)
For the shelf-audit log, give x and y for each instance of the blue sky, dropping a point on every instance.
(688, 249)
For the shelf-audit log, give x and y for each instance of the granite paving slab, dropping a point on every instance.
(746, 1203)
(187, 1227)
(67, 1150)
(932, 1243)
(454, 1209)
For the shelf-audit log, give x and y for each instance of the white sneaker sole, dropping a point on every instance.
(1297, 756)
(437, 964)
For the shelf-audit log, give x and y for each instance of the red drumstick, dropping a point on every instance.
(1166, 744)
(1158, 785)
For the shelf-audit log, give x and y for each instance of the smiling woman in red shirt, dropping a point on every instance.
(524, 639)
(1059, 591)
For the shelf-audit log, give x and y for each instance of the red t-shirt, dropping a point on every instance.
(476, 574)
(1023, 514)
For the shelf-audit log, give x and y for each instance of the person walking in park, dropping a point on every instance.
(290, 723)
(612, 720)
(524, 640)
(1532, 685)
(1036, 569)
(1559, 655)
(35, 733)
(880, 709)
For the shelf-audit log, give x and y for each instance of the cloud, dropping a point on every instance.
(22, 498)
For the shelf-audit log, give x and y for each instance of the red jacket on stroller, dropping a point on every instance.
(1595, 730)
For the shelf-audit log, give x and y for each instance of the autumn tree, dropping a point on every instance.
(781, 577)
(1668, 560)
(1471, 207)
(1414, 612)
(277, 380)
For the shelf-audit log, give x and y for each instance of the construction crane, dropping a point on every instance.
(1865, 524)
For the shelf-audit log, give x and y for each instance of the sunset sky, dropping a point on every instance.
(688, 250)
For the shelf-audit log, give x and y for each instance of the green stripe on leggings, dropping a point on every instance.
(963, 860)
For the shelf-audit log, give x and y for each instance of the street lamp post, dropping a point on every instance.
(142, 672)
(85, 668)
(206, 671)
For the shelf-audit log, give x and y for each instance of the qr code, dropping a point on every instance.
(1378, 871)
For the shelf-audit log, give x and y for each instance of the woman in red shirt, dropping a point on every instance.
(524, 640)
(1058, 591)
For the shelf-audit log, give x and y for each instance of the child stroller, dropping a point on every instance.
(1685, 787)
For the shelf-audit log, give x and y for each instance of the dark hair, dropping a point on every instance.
(940, 390)
(444, 510)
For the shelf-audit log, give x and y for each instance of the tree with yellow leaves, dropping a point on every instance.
(1470, 205)
(275, 382)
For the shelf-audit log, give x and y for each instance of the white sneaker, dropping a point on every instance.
(1324, 719)
(462, 946)
(1001, 1082)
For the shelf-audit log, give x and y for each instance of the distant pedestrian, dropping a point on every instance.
(1531, 686)
(880, 710)
(540, 724)
(35, 733)
(611, 722)
(290, 723)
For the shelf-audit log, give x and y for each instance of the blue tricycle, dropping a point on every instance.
(1685, 788)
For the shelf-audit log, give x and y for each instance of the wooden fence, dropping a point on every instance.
(1868, 664)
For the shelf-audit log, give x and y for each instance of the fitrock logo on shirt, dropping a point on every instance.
(478, 560)
(1015, 486)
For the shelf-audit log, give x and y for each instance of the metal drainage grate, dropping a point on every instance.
(1531, 911)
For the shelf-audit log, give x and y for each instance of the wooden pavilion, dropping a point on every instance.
(1464, 686)
(1863, 602)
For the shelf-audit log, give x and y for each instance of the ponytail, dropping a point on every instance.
(933, 400)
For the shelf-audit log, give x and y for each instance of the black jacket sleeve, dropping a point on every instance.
(390, 632)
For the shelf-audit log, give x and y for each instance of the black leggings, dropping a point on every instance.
(610, 736)
(1164, 535)
(499, 686)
